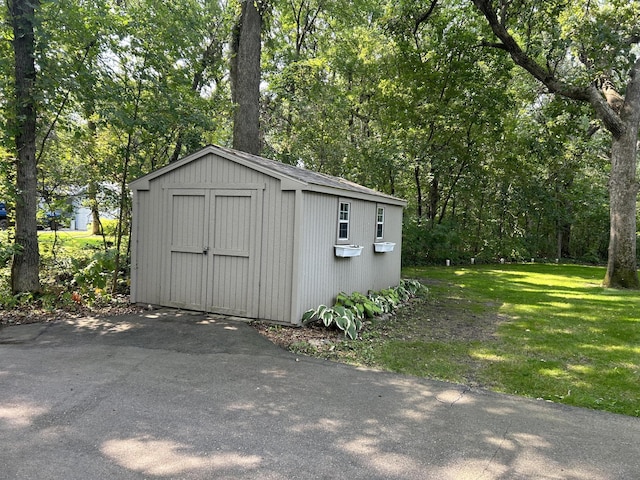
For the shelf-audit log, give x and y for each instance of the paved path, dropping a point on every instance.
(186, 397)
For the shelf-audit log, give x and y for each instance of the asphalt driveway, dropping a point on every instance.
(170, 395)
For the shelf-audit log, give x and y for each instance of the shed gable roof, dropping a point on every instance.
(293, 178)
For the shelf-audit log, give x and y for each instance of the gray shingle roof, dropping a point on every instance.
(300, 176)
(304, 175)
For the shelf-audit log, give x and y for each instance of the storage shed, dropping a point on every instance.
(227, 232)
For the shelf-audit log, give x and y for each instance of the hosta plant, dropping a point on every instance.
(343, 318)
(349, 311)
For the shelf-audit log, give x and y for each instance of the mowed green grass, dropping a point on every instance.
(70, 243)
(559, 335)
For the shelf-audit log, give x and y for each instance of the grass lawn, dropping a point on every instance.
(70, 240)
(70, 244)
(541, 331)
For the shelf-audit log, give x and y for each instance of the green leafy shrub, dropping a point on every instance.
(348, 312)
(6, 252)
(426, 243)
(363, 305)
(95, 272)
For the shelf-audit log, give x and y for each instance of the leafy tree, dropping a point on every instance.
(569, 48)
(122, 88)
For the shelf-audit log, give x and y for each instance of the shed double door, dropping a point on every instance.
(214, 250)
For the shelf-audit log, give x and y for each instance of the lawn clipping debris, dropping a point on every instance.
(34, 313)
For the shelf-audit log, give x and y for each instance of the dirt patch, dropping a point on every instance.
(118, 305)
(449, 318)
(286, 336)
(440, 318)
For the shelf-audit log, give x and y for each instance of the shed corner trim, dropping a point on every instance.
(139, 184)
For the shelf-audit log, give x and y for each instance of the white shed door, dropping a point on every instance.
(214, 250)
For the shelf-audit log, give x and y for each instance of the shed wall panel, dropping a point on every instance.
(211, 170)
(386, 266)
(277, 245)
(322, 274)
(148, 244)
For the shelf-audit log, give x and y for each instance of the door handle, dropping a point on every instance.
(205, 250)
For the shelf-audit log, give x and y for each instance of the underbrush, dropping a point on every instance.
(76, 272)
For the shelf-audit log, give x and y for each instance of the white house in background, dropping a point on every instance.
(81, 214)
(227, 232)
(81, 217)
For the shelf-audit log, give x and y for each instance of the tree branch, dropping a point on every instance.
(423, 17)
(546, 76)
(53, 124)
(500, 46)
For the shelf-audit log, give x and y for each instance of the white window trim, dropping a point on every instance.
(380, 223)
(342, 221)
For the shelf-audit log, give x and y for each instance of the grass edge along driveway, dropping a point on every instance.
(539, 330)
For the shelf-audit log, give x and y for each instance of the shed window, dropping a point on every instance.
(380, 223)
(343, 220)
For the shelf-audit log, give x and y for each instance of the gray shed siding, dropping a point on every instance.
(277, 258)
(323, 274)
(226, 232)
(156, 281)
(146, 273)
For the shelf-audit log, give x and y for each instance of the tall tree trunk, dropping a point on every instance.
(245, 78)
(623, 192)
(26, 259)
(92, 188)
(92, 193)
(434, 194)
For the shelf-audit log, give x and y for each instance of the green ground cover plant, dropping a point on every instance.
(544, 331)
(349, 311)
(76, 268)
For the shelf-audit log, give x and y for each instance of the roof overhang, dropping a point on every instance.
(287, 182)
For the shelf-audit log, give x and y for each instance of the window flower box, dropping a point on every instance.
(348, 250)
(384, 246)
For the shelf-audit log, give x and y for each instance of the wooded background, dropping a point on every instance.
(425, 100)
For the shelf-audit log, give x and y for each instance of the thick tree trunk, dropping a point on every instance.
(245, 79)
(622, 269)
(623, 192)
(563, 239)
(26, 259)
